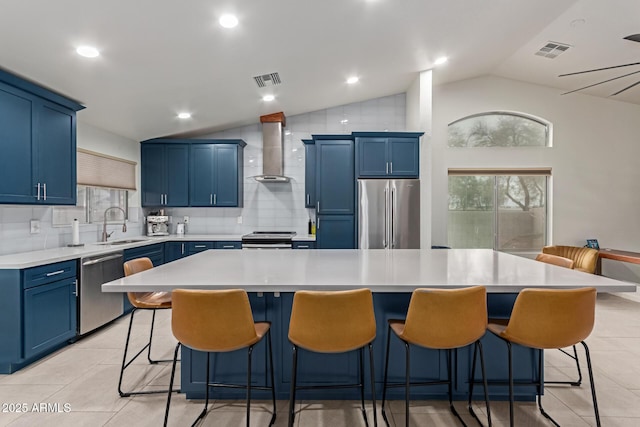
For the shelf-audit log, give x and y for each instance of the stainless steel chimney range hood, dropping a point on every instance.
(272, 148)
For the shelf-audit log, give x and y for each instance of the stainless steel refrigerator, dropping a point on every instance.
(389, 214)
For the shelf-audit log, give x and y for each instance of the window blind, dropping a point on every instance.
(100, 170)
(500, 172)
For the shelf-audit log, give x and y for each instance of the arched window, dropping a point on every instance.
(499, 129)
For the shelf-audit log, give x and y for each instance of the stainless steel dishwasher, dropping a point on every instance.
(97, 308)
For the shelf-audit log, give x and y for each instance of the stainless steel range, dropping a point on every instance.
(268, 240)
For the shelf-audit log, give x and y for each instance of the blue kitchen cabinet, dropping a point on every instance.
(165, 173)
(38, 133)
(335, 177)
(309, 173)
(216, 173)
(197, 247)
(38, 311)
(335, 232)
(49, 316)
(387, 155)
(174, 251)
(228, 244)
(304, 244)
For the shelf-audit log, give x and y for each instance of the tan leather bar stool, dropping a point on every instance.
(442, 320)
(567, 263)
(333, 322)
(142, 301)
(218, 322)
(585, 259)
(547, 319)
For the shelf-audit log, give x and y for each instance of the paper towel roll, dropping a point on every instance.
(75, 232)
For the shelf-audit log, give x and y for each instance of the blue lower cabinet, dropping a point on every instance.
(335, 232)
(174, 251)
(195, 247)
(310, 244)
(37, 311)
(49, 316)
(228, 245)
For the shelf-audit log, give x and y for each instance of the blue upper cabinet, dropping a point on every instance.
(38, 134)
(216, 172)
(335, 177)
(165, 173)
(309, 173)
(388, 154)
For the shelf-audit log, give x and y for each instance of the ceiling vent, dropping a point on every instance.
(552, 50)
(267, 80)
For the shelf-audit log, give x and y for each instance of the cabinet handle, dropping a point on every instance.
(75, 293)
(387, 171)
(308, 199)
(38, 187)
(211, 199)
(55, 273)
(303, 246)
(228, 247)
(318, 224)
(391, 163)
(200, 246)
(182, 249)
(44, 186)
(214, 199)
(318, 206)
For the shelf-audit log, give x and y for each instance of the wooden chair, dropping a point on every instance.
(215, 321)
(142, 301)
(442, 320)
(333, 322)
(555, 260)
(548, 319)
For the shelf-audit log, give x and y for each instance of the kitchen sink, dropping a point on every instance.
(122, 242)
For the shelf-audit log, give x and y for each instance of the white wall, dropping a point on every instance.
(594, 158)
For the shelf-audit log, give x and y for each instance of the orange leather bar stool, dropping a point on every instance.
(218, 322)
(567, 263)
(333, 322)
(142, 301)
(442, 320)
(546, 319)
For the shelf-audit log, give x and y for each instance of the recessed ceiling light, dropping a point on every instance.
(352, 80)
(441, 60)
(87, 51)
(287, 132)
(184, 115)
(268, 98)
(344, 121)
(228, 21)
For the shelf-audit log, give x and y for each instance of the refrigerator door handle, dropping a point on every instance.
(393, 218)
(386, 217)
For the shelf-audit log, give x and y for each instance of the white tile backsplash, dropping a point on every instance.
(266, 206)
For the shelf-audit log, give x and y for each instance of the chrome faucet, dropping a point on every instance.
(106, 235)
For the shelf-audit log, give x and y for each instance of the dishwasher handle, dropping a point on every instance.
(102, 259)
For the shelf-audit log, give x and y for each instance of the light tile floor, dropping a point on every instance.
(85, 375)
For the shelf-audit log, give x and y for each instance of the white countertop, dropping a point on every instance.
(378, 269)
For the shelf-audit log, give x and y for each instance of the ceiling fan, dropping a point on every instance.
(633, 37)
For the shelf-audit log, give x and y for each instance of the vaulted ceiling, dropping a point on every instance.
(161, 57)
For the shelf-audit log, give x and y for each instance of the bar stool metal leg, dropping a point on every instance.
(477, 347)
(250, 351)
(292, 394)
(273, 383)
(373, 385)
(173, 373)
(361, 369)
(593, 386)
(407, 384)
(386, 374)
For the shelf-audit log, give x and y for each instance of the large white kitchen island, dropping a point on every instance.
(272, 276)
